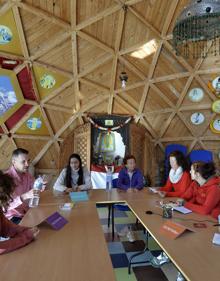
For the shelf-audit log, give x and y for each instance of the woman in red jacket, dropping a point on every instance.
(179, 178)
(12, 236)
(203, 196)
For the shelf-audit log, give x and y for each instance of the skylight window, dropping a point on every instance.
(146, 50)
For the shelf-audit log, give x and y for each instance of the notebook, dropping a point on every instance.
(79, 196)
(182, 210)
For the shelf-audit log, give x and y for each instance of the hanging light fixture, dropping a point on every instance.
(197, 30)
(123, 76)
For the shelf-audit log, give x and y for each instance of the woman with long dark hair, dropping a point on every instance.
(74, 177)
(179, 177)
(16, 236)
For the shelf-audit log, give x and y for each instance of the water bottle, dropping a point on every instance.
(38, 184)
(108, 180)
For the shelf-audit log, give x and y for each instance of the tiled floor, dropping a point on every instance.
(121, 250)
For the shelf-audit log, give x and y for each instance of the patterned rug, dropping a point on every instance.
(121, 250)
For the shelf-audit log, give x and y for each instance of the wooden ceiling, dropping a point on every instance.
(89, 43)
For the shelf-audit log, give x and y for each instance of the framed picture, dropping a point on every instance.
(197, 118)
(215, 126)
(216, 106)
(196, 94)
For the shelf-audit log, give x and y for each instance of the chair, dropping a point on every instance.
(168, 150)
(200, 155)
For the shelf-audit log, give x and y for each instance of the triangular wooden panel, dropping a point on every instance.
(70, 129)
(154, 12)
(102, 74)
(134, 96)
(132, 77)
(47, 81)
(88, 55)
(31, 145)
(157, 121)
(177, 128)
(167, 64)
(100, 29)
(205, 101)
(154, 102)
(134, 32)
(88, 9)
(12, 43)
(100, 108)
(49, 159)
(65, 99)
(58, 8)
(142, 65)
(57, 119)
(60, 56)
(88, 93)
(198, 130)
(38, 31)
(5, 154)
(118, 108)
(35, 125)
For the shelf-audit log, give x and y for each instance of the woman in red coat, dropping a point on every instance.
(12, 236)
(203, 196)
(179, 178)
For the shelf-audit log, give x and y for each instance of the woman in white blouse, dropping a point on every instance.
(74, 177)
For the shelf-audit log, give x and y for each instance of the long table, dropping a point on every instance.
(78, 251)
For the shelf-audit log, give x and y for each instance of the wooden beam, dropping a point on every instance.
(95, 42)
(21, 32)
(31, 137)
(150, 75)
(198, 107)
(170, 77)
(57, 108)
(174, 139)
(5, 7)
(133, 2)
(43, 14)
(118, 39)
(75, 69)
